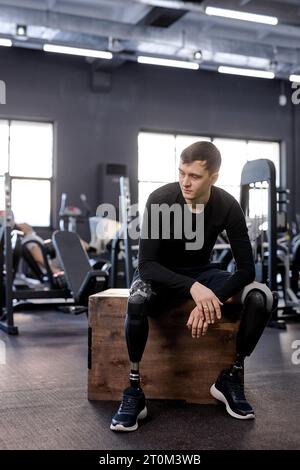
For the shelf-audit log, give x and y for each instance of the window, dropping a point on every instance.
(235, 153)
(159, 159)
(27, 155)
(155, 151)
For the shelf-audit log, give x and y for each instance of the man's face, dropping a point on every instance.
(195, 180)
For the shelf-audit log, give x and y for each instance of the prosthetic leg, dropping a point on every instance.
(259, 303)
(133, 406)
(136, 326)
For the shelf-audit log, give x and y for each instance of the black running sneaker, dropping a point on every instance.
(229, 389)
(132, 408)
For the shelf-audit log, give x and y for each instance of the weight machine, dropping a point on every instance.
(69, 216)
(10, 292)
(122, 242)
(254, 174)
(81, 279)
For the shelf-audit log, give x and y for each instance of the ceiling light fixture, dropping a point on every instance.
(167, 62)
(77, 51)
(246, 72)
(5, 42)
(198, 55)
(241, 15)
(21, 30)
(294, 78)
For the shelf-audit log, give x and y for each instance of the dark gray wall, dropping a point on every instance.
(93, 127)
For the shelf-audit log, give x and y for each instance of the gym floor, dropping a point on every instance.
(43, 397)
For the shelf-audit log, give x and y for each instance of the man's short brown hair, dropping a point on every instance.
(204, 151)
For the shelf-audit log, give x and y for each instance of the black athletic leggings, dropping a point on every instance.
(144, 297)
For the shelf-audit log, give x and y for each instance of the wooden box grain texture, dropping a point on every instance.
(174, 366)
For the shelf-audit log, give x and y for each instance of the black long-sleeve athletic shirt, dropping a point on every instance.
(168, 262)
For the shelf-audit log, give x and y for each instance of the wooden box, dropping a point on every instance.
(174, 365)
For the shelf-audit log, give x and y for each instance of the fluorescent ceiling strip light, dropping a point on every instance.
(240, 15)
(167, 62)
(77, 51)
(294, 78)
(5, 42)
(246, 72)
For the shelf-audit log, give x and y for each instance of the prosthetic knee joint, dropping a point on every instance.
(136, 322)
(258, 291)
(259, 303)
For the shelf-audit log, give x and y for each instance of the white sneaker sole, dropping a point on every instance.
(219, 396)
(120, 427)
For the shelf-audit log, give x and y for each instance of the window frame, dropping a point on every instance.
(211, 138)
(36, 178)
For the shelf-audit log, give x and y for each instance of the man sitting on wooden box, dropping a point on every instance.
(180, 227)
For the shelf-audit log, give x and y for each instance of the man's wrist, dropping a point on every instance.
(193, 285)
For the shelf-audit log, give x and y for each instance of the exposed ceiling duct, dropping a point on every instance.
(169, 28)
